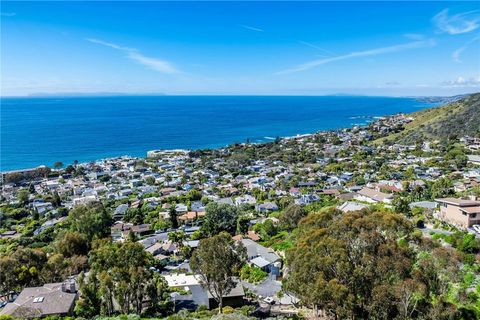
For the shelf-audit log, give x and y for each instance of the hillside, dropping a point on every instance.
(453, 119)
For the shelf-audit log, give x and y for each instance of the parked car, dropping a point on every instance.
(476, 227)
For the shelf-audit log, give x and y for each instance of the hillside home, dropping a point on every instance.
(52, 299)
(262, 257)
(373, 196)
(463, 213)
(198, 295)
(351, 206)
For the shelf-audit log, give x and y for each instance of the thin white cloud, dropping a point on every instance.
(7, 14)
(135, 55)
(251, 28)
(456, 54)
(457, 23)
(356, 54)
(311, 45)
(463, 82)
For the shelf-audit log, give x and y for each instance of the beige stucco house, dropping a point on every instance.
(463, 213)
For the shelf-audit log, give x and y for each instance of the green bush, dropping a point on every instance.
(228, 310)
(252, 274)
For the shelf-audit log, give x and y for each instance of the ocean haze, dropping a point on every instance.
(36, 131)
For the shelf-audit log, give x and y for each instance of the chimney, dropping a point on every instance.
(64, 287)
(473, 197)
(73, 288)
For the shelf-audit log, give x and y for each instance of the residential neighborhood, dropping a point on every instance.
(170, 201)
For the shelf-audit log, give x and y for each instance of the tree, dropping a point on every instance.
(91, 220)
(24, 267)
(194, 195)
(243, 222)
(408, 294)
(58, 165)
(173, 216)
(71, 243)
(291, 216)
(123, 273)
(342, 263)
(401, 204)
(69, 169)
(56, 201)
(218, 259)
(23, 196)
(441, 188)
(219, 217)
(89, 303)
(150, 181)
(134, 215)
(177, 237)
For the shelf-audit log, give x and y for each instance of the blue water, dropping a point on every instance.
(36, 131)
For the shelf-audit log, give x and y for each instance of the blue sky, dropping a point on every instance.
(307, 48)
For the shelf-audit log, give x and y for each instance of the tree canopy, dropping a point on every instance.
(91, 220)
(220, 217)
(218, 260)
(363, 265)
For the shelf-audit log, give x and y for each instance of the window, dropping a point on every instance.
(38, 299)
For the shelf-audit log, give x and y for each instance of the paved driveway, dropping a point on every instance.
(267, 288)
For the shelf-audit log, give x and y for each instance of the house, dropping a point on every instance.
(262, 257)
(197, 206)
(246, 199)
(228, 201)
(474, 159)
(330, 192)
(198, 295)
(181, 207)
(306, 199)
(351, 206)
(52, 299)
(141, 229)
(47, 224)
(10, 234)
(155, 248)
(267, 207)
(252, 235)
(84, 200)
(463, 213)
(426, 205)
(120, 212)
(42, 207)
(191, 216)
(373, 196)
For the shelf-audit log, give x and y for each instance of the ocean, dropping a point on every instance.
(41, 131)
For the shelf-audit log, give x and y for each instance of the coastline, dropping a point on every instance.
(90, 129)
(267, 140)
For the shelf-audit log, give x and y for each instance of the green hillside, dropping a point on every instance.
(453, 119)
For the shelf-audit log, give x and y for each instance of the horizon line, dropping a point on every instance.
(159, 94)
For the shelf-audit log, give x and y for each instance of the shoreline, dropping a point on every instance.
(257, 132)
(268, 139)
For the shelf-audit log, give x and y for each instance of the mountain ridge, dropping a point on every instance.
(454, 119)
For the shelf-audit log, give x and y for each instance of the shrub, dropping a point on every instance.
(252, 274)
(228, 310)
